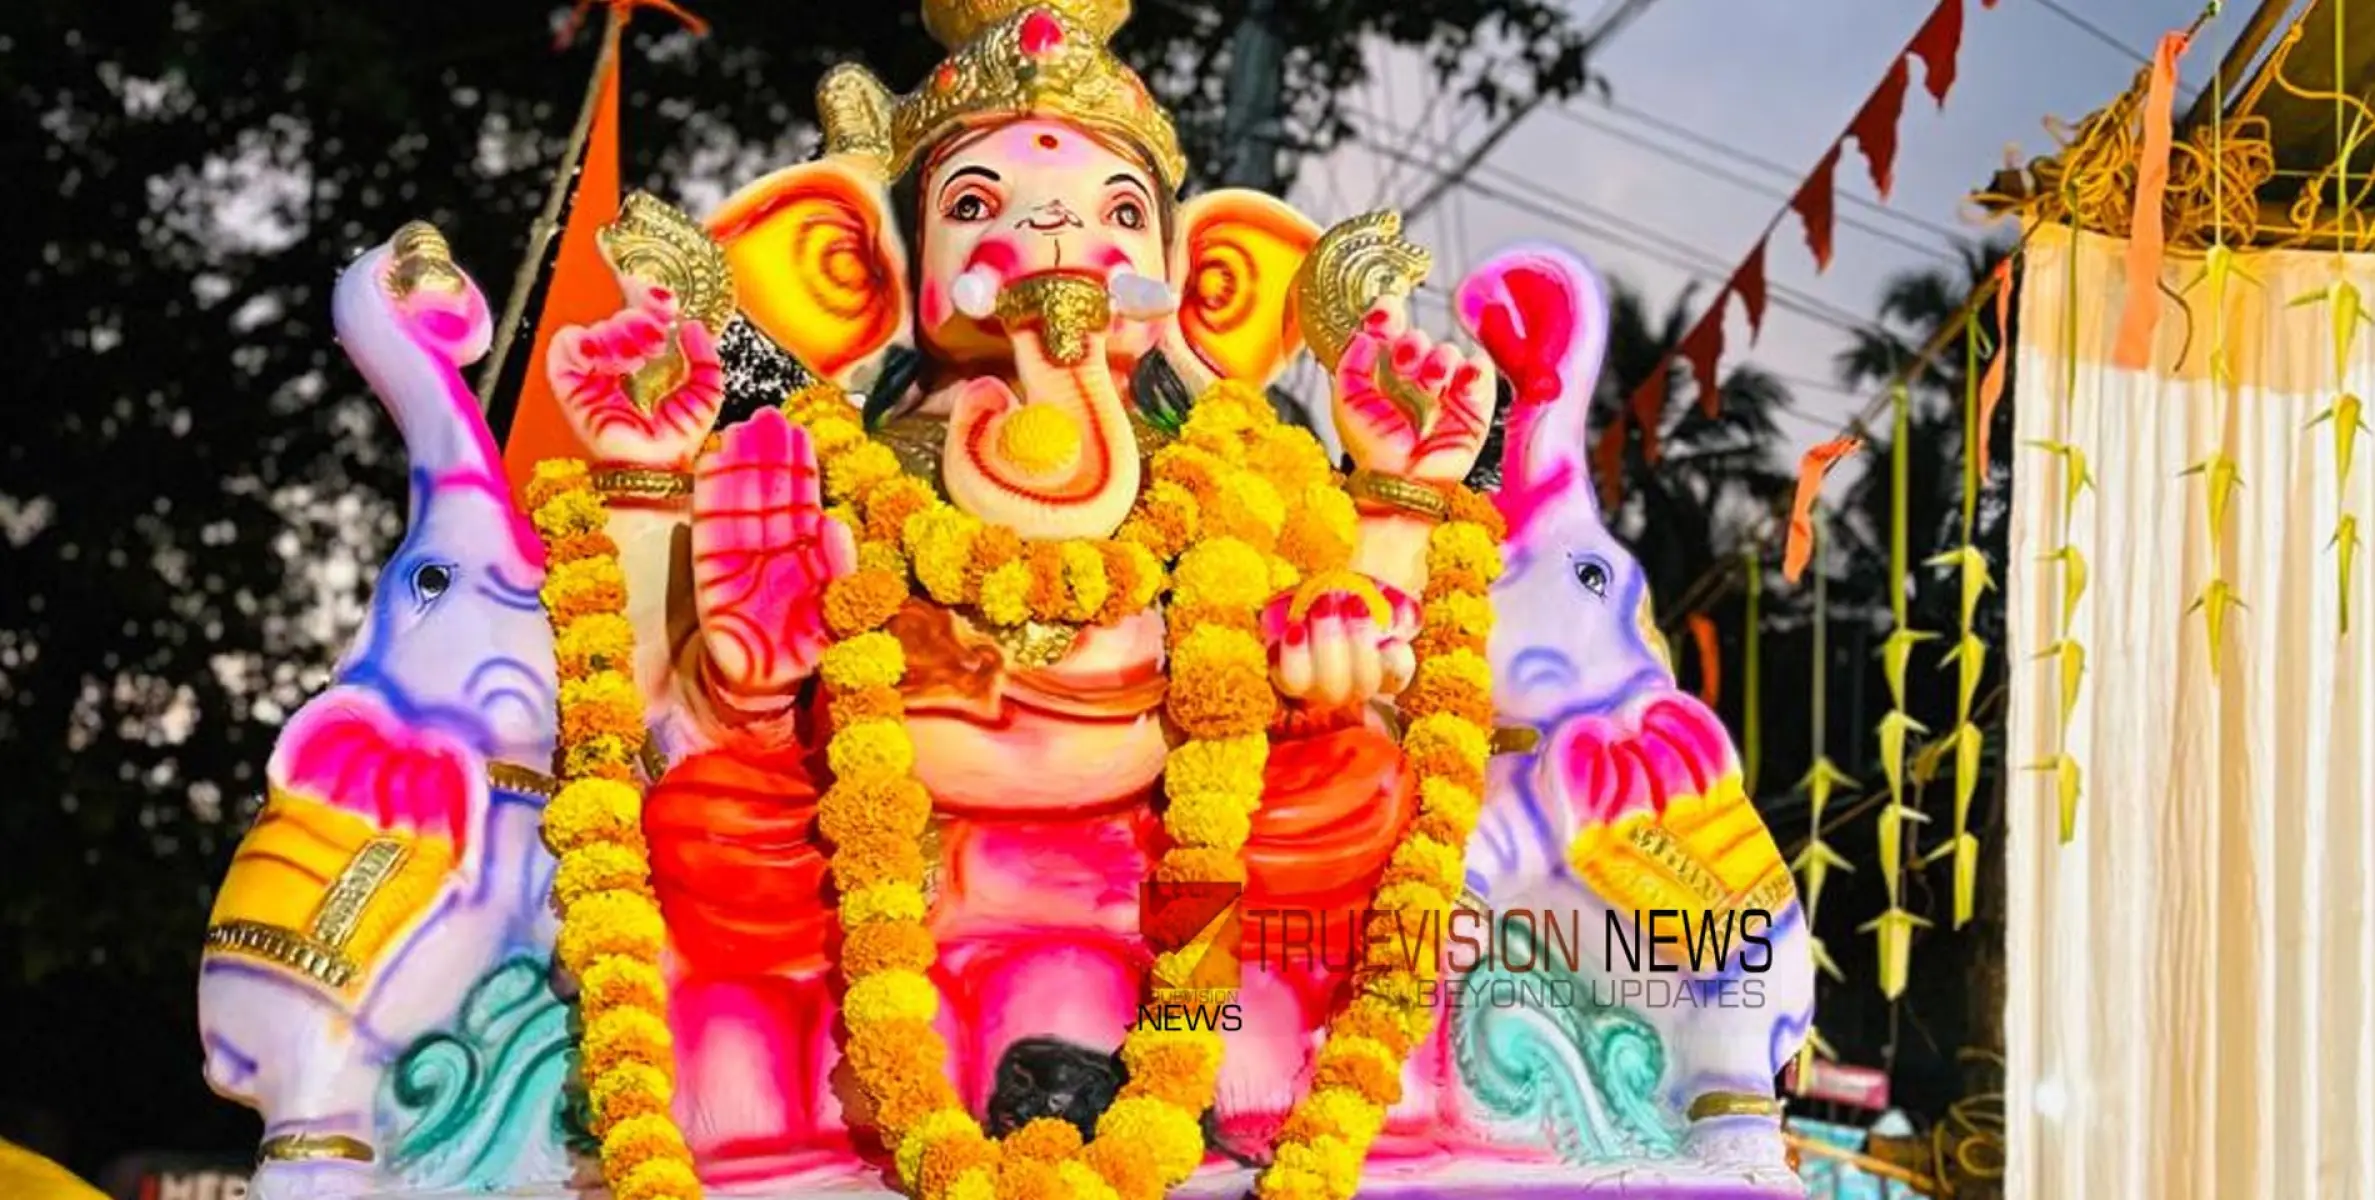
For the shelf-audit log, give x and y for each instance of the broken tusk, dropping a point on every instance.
(1140, 298)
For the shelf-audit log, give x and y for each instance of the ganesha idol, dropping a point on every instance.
(1006, 760)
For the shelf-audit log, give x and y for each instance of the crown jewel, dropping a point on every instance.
(1009, 59)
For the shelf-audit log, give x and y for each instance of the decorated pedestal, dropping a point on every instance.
(1005, 760)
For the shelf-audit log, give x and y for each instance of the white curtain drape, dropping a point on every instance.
(2191, 1001)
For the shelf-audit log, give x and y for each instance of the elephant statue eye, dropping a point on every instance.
(1593, 575)
(430, 580)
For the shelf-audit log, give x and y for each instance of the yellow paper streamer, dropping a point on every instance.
(1815, 863)
(1894, 928)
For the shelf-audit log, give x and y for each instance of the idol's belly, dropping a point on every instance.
(1030, 764)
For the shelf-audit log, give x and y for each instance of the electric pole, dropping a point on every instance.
(1251, 130)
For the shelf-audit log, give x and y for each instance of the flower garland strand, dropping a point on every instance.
(611, 931)
(1357, 1076)
(1240, 509)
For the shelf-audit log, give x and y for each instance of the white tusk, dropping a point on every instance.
(975, 293)
(1139, 298)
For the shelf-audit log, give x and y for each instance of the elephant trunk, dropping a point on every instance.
(1541, 315)
(1062, 460)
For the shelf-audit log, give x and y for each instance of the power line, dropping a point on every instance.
(1715, 171)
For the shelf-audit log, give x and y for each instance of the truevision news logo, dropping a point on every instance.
(1500, 959)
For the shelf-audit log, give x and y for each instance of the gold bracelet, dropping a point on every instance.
(1407, 495)
(643, 483)
(1709, 1105)
(312, 1147)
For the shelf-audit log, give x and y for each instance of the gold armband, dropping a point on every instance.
(643, 483)
(1403, 495)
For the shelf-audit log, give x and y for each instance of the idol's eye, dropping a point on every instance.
(431, 580)
(971, 207)
(1129, 214)
(1593, 575)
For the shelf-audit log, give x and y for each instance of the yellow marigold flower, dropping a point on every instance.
(1335, 1161)
(882, 902)
(598, 867)
(889, 503)
(1080, 1182)
(1045, 592)
(1453, 801)
(1470, 506)
(1449, 580)
(553, 476)
(833, 435)
(627, 1091)
(1136, 577)
(892, 996)
(1247, 508)
(1128, 1167)
(1213, 819)
(573, 512)
(1200, 864)
(1321, 530)
(1221, 573)
(1048, 1139)
(876, 857)
(1084, 580)
(1336, 1113)
(891, 1056)
(659, 1179)
(1413, 897)
(625, 1035)
(615, 981)
(1462, 740)
(1241, 396)
(871, 750)
(954, 1152)
(1362, 1065)
(895, 946)
(614, 922)
(1461, 619)
(853, 807)
(1466, 666)
(592, 810)
(1462, 546)
(1040, 439)
(583, 588)
(605, 702)
(1004, 592)
(821, 400)
(976, 1184)
(863, 600)
(604, 756)
(1165, 520)
(638, 1140)
(1431, 862)
(1171, 1135)
(1220, 427)
(867, 704)
(939, 542)
(1181, 1067)
(1220, 684)
(1193, 468)
(1380, 1018)
(882, 556)
(909, 1156)
(1232, 765)
(1291, 459)
(849, 474)
(867, 660)
(1287, 1183)
(598, 642)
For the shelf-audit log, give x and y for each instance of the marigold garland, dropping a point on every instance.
(611, 930)
(1239, 509)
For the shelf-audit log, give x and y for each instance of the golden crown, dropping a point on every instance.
(1009, 59)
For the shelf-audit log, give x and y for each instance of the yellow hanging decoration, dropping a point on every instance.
(2217, 600)
(2346, 544)
(1969, 656)
(1815, 863)
(1894, 928)
(2344, 412)
(2219, 269)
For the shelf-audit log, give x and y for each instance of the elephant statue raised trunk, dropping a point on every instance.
(396, 862)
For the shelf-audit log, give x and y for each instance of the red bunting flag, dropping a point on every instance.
(1608, 463)
(1875, 127)
(1748, 283)
(1649, 406)
(1937, 45)
(1703, 349)
(1814, 205)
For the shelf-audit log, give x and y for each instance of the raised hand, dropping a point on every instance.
(641, 387)
(1407, 405)
(1328, 649)
(763, 551)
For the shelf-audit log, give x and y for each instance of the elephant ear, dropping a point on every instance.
(1235, 260)
(818, 265)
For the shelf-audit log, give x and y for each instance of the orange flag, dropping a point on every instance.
(1608, 463)
(1991, 384)
(2143, 312)
(582, 292)
(1649, 411)
(1811, 469)
(1711, 659)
